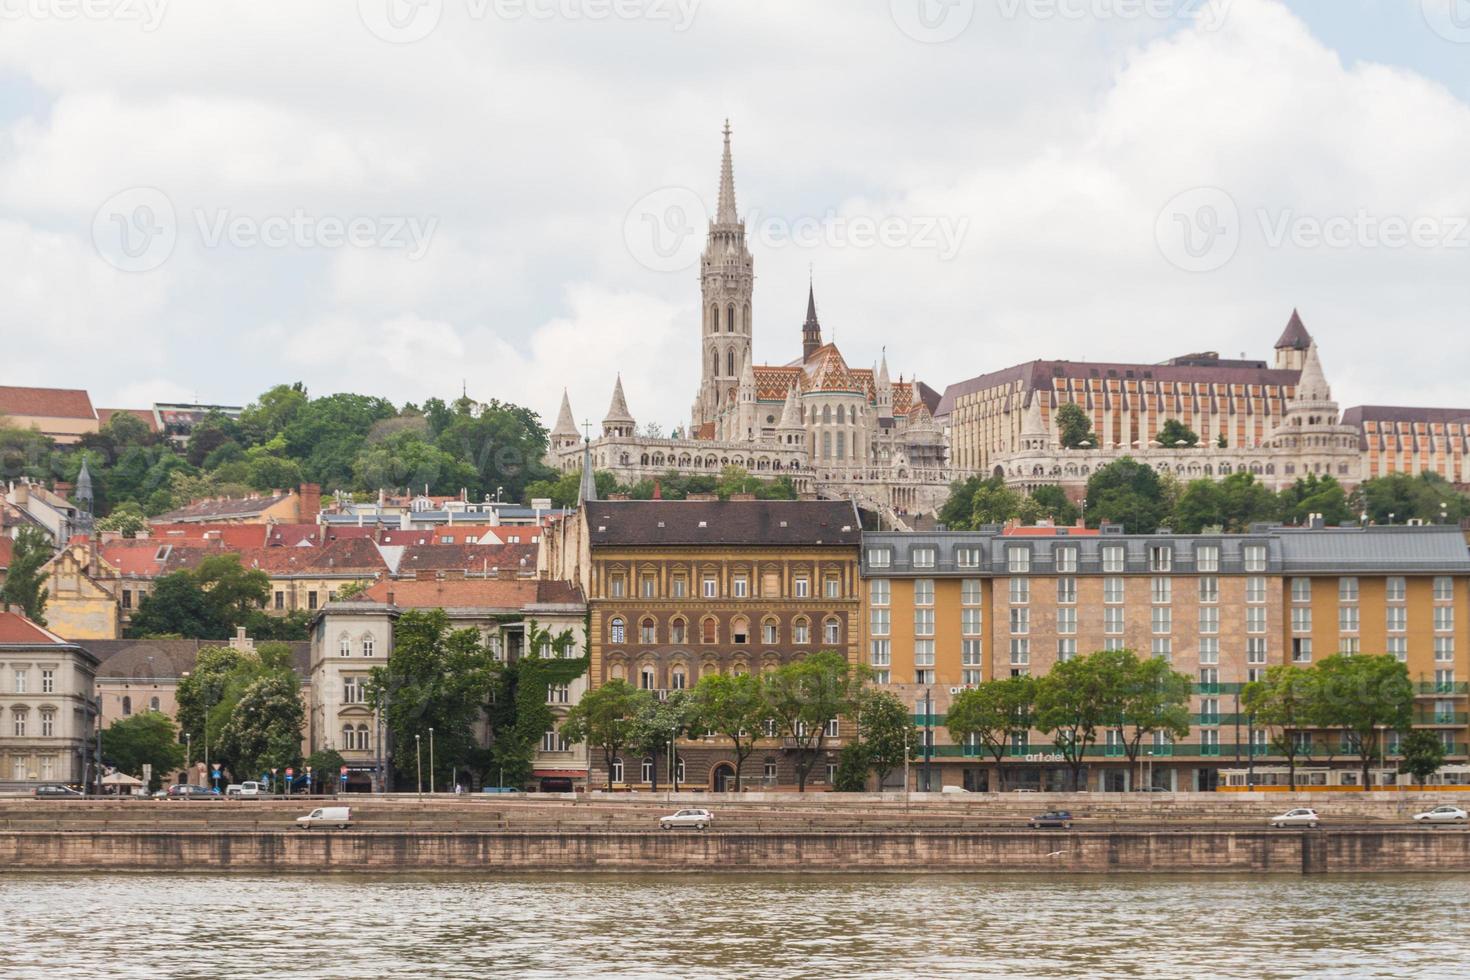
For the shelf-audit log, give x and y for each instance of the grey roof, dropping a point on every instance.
(1432, 548)
(750, 523)
(170, 659)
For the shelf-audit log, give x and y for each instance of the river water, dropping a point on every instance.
(198, 925)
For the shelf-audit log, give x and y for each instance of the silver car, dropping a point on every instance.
(698, 819)
(1442, 814)
(1302, 816)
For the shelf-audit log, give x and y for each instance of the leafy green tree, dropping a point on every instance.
(1174, 434)
(269, 416)
(502, 443)
(244, 740)
(854, 764)
(659, 725)
(147, 738)
(954, 513)
(606, 718)
(1233, 504)
(25, 583)
(1313, 494)
(735, 706)
(886, 730)
(327, 434)
(1286, 702)
(436, 678)
(1152, 698)
(1363, 696)
(206, 602)
(325, 765)
(204, 687)
(519, 713)
(407, 458)
(1056, 506)
(127, 519)
(991, 714)
(264, 729)
(1423, 754)
(1399, 497)
(1074, 428)
(1127, 492)
(210, 433)
(994, 503)
(1074, 700)
(802, 697)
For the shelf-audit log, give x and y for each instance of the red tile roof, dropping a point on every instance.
(347, 556)
(145, 415)
(224, 507)
(231, 535)
(15, 628)
(54, 403)
(7, 550)
(491, 593)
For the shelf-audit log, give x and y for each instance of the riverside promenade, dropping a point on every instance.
(1183, 833)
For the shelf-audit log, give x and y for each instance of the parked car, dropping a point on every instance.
(56, 791)
(1302, 816)
(1051, 818)
(698, 819)
(247, 790)
(1442, 814)
(953, 789)
(188, 791)
(327, 816)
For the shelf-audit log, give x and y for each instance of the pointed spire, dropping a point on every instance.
(618, 410)
(725, 214)
(883, 370)
(587, 490)
(1031, 424)
(811, 330)
(1295, 335)
(791, 411)
(566, 425)
(1312, 385)
(84, 484)
(747, 372)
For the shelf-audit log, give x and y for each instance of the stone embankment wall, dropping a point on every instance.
(1284, 851)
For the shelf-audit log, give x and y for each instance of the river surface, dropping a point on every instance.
(901, 926)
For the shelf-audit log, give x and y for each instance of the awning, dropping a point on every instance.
(120, 779)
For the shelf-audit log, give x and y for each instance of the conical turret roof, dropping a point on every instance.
(566, 425)
(1295, 336)
(618, 410)
(791, 411)
(1312, 386)
(725, 213)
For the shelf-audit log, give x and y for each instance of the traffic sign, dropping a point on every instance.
(344, 772)
(289, 772)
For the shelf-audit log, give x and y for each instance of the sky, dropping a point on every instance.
(411, 198)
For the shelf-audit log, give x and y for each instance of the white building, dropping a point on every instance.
(47, 705)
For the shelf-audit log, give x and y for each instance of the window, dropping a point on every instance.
(1444, 649)
(552, 741)
(648, 586)
(1162, 590)
(1398, 619)
(740, 587)
(801, 586)
(647, 631)
(679, 587)
(1255, 589)
(1255, 557)
(1209, 680)
(739, 630)
(1020, 652)
(354, 690)
(127, 598)
(1112, 558)
(344, 645)
(879, 557)
(20, 722)
(48, 724)
(831, 631)
(967, 557)
(1444, 587)
(768, 770)
(367, 645)
(1113, 619)
(127, 707)
(709, 631)
(770, 634)
(617, 633)
(1301, 650)
(22, 677)
(1398, 648)
(1209, 619)
(1020, 621)
(1209, 650)
(1348, 645)
(1347, 619)
(1020, 590)
(1209, 711)
(923, 622)
(801, 632)
(1066, 650)
(878, 621)
(832, 587)
(1160, 558)
(711, 587)
(645, 771)
(1301, 590)
(1209, 589)
(1207, 558)
(558, 694)
(1066, 560)
(1162, 619)
(880, 653)
(678, 679)
(616, 586)
(1018, 560)
(678, 631)
(1347, 589)
(311, 600)
(1067, 619)
(1255, 619)
(970, 653)
(617, 770)
(1301, 619)
(923, 592)
(1444, 619)
(1396, 588)
(48, 681)
(280, 600)
(880, 592)
(1066, 590)
(924, 653)
(1112, 590)
(969, 622)
(1255, 650)
(922, 557)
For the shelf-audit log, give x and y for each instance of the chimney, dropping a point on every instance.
(310, 501)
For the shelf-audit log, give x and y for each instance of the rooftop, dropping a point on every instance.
(751, 523)
(56, 403)
(16, 629)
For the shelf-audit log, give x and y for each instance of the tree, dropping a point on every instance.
(1074, 427)
(519, 712)
(1285, 703)
(25, 582)
(204, 687)
(1313, 494)
(207, 602)
(1073, 701)
(127, 519)
(1129, 493)
(954, 513)
(803, 697)
(1055, 505)
(325, 765)
(147, 738)
(1423, 754)
(606, 718)
(502, 443)
(886, 729)
(1152, 698)
(994, 503)
(735, 706)
(437, 678)
(1174, 434)
(1233, 504)
(992, 714)
(1364, 696)
(659, 725)
(854, 763)
(264, 729)
(1398, 497)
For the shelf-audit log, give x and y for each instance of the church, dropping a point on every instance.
(836, 431)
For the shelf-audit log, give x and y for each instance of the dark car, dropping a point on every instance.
(1051, 818)
(56, 791)
(187, 791)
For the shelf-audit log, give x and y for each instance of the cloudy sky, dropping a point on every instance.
(402, 196)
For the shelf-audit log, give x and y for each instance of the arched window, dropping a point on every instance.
(367, 645)
(840, 415)
(770, 632)
(648, 678)
(645, 771)
(730, 362)
(678, 631)
(344, 645)
(739, 630)
(616, 631)
(127, 705)
(826, 445)
(714, 325)
(709, 631)
(715, 363)
(617, 770)
(679, 769)
(841, 442)
(677, 679)
(831, 631)
(730, 318)
(362, 738)
(349, 740)
(826, 414)
(801, 631)
(647, 631)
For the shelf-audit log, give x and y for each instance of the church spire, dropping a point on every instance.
(811, 330)
(725, 214)
(565, 433)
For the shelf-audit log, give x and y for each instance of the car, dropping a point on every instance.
(233, 789)
(1302, 816)
(1442, 814)
(247, 790)
(327, 816)
(953, 789)
(1051, 818)
(56, 791)
(698, 819)
(188, 791)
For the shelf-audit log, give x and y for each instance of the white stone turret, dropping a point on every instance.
(1035, 436)
(619, 421)
(791, 431)
(565, 434)
(885, 389)
(749, 421)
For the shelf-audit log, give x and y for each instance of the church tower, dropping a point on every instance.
(727, 285)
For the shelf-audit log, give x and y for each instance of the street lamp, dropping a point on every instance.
(418, 751)
(928, 714)
(498, 492)
(189, 754)
(431, 762)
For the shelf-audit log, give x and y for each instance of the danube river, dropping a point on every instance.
(902, 926)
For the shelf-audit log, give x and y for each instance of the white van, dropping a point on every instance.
(247, 790)
(327, 816)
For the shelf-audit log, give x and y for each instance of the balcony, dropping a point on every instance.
(1429, 688)
(1442, 718)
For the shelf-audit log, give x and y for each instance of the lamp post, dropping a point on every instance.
(189, 753)
(928, 716)
(418, 752)
(431, 762)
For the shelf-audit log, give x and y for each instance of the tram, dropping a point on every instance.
(1330, 779)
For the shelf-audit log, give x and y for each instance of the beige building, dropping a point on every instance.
(47, 707)
(62, 414)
